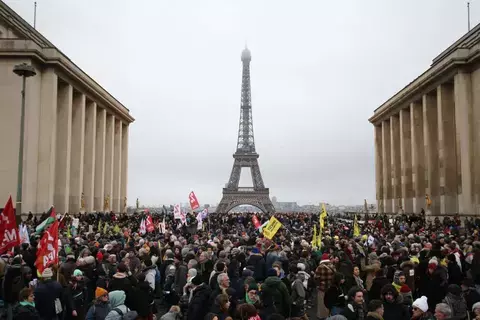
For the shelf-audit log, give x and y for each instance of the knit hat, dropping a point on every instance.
(255, 250)
(197, 280)
(475, 306)
(421, 303)
(433, 263)
(247, 273)
(77, 273)
(99, 256)
(271, 272)
(99, 292)
(325, 258)
(252, 286)
(405, 289)
(47, 273)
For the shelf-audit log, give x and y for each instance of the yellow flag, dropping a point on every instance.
(116, 229)
(323, 215)
(319, 241)
(356, 229)
(271, 228)
(105, 227)
(99, 225)
(69, 235)
(314, 238)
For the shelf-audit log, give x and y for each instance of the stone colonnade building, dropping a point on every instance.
(427, 137)
(76, 133)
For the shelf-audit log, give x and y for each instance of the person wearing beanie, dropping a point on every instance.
(76, 293)
(101, 306)
(456, 301)
(406, 294)
(476, 311)
(275, 295)
(198, 304)
(257, 261)
(420, 309)
(46, 292)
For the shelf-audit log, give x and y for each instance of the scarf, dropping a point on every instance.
(248, 300)
(26, 303)
(374, 315)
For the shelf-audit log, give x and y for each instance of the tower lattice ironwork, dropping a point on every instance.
(245, 156)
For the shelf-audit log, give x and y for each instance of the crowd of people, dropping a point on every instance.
(401, 268)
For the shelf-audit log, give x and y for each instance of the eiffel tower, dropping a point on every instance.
(245, 156)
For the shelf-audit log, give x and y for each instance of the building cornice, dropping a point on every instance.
(463, 52)
(36, 46)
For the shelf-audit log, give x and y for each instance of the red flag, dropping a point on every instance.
(255, 221)
(149, 224)
(9, 236)
(47, 253)
(193, 201)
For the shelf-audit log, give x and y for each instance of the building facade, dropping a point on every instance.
(427, 137)
(76, 133)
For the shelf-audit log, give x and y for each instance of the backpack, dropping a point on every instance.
(127, 316)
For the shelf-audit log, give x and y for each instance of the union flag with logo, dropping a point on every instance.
(9, 236)
(47, 252)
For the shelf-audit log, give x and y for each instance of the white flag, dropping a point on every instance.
(143, 228)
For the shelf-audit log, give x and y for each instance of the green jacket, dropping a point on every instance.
(275, 296)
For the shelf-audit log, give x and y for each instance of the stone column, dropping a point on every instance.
(430, 136)
(447, 155)
(379, 168)
(395, 159)
(418, 156)
(464, 128)
(77, 152)
(117, 166)
(406, 160)
(123, 190)
(100, 159)
(387, 172)
(89, 155)
(63, 148)
(109, 154)
(47, 141)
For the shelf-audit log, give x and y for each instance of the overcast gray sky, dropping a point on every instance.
(319, 69)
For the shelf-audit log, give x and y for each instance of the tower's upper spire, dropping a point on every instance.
(246, 55)
(246, 141)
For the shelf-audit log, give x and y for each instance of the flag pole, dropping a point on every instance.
(468, 14)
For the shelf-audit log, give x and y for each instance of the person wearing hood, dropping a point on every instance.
(117, 303)
(68, 267)
(456, 301)
(274, 295)
(298, 293)
(101, 306)
(393, 306)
